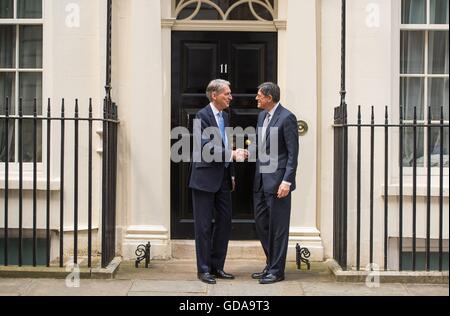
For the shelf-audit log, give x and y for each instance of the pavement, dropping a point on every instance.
(178, 278)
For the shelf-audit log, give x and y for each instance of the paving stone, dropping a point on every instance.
(87, 288)
(427, 289)
(165, 294)
(352, 289)
(253, 288)
(13, 286)
(168, 286)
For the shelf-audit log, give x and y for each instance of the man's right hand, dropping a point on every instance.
(240, 155)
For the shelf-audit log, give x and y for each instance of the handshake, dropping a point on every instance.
(240, 155)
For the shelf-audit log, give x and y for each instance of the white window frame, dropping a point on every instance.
(27, 166)
(398, 27)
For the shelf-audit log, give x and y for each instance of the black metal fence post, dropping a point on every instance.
(340, 187)
(400, 193)
(6, 229)
(61, 190)
(20, 248)
(35, 183)
(48, 183)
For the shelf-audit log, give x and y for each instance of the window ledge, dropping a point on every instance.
(394, 190)
(41, 184)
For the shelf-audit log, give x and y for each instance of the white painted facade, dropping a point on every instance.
(309, 76)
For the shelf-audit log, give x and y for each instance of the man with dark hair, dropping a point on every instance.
(212, 183)
(278, 139)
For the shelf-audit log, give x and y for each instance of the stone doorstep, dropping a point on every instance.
(418, 277)
(28, 272)
(185, 249)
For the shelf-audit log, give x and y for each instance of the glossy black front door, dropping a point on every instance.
(246, 59)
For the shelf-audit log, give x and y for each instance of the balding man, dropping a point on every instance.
(212, 183)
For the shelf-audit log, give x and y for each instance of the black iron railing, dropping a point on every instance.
(110, 123)
(342, 239)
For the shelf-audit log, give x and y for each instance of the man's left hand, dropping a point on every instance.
(283, 191)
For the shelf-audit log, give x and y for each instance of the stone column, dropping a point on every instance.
(144, 159)
(298, 77)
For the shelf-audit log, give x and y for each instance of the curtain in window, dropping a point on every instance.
(10, 141)
(408, 147)
(414, 11)
(439, 12)
(438, 52)
(7, 46)
(29, 9)
(412, 61)
(30, 88)
(6, 9)
(6, 90)
(30, 46)
(438, 94)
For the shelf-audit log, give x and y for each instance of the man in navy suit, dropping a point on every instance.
(212, 181)
(276, 168)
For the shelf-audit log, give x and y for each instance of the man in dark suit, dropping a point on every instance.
(212, 181)
(276, 168)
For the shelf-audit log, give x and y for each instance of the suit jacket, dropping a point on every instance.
(208, 176)
(288, 149)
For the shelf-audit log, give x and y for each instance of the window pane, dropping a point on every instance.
(435, 147)
(414, 11)
(31, 9)
(6, 9)
(207, 13)
(187, 11)
(7, 91)
(439, 11)
(7, 46)
(30, 46)
(243, 12)
(438, 52)
(7, 142)
(408, 150)
(438, 97)
(411, 95)
(30, 88)
(412, 47)
(28, 141)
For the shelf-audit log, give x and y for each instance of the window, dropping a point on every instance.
(424, 75)
(263, 10)
(20, 73)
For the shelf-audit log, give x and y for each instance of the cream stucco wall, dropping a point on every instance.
(144, 154)
(309, 75)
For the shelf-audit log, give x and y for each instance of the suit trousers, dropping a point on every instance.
(272, 219)
(211, 239)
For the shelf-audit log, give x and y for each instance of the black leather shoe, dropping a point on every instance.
(220, 274)
(207, 278)
(259, 275)
(270, 278)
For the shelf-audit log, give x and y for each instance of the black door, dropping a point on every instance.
(246, 59)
